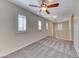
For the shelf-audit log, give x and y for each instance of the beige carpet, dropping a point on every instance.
(46, 48)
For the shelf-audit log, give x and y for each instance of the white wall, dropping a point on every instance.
(76, 35)
(10, 40)
(76, 27)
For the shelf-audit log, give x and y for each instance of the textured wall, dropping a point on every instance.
(10, 40)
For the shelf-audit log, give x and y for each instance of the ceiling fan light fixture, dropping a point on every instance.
(43, 8)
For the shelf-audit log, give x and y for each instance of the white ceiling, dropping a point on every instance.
(64, 10)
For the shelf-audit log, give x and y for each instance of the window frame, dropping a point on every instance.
(24, 23)
(60, 27)
(39, 25)
(47, 25)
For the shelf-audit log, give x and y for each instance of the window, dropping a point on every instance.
(46, 26)
(39, 25)
(21, 23)
(59, 26)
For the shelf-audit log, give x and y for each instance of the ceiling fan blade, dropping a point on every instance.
(47, 12)
(53, 5)
(34, 6)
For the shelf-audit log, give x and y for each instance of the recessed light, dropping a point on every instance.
(54, 16)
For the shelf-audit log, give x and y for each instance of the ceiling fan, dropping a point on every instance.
(44, 6)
